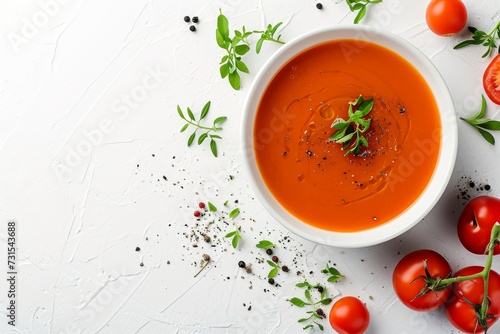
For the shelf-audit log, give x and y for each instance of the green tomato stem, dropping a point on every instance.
(485, 273)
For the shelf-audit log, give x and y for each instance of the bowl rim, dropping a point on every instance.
(446, 158)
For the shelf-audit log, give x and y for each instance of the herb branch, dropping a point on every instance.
(316, 313)
(360, 7)
(265, 244)
(481, 37)
(482, 124)
(208, 132)
(237, 46)
(236, 236)
(350, 132)
(335, 275)
(268, 35)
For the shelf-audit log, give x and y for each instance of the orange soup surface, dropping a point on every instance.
(308, 174)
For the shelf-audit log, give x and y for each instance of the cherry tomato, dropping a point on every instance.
(408, 280)
(491, 80)
(349, 316)
(446, 17)
(460, 313)
(476, 221)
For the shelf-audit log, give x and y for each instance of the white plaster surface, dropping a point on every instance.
(88, 129)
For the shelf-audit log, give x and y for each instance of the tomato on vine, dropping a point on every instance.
(463, 308)
(349, 315)
(446, 17)
(476, 222)
(412, 275)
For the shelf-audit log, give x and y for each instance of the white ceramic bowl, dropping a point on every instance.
(446, 158)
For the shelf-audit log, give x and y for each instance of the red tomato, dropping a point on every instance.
(476, 221)
(491, 80)
(446, 17)
(460, 313)
(408, 280)
(349, 316)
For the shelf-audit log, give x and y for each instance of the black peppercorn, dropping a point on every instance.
(192, 28)
(241, 264)
(195, 19)
(319, 5)
(186, 19)
(269, 251)
(285, 269)
(271, 281)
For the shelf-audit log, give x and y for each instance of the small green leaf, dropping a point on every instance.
(230, 234)
(223, 25)
(303, 319)
(490, 125)
(224, 70)
(241, 49)
(234, 80)
(258, 46)
(241, 66)
(202, 137)
(486, 135)
(273, 273)
(179, 111)
(360, 15)
(215, 136)
(220, 39)
(272, 264)
(212, 207)
(297, 302)
(325, 301)
(191, 138)
(307, 327)
(235, 241)
(234, 213)
(219, 120)
(273, 30)
(319, 325)
(205, 110)
(307, 293)
(265, 244)
(184, 127)
(190, 113)
(213, 147)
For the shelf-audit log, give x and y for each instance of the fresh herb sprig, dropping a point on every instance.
(360, 7)
(350, 132)
(335, 275)
(316, 313)
(268, 35)
(482, 124)
(208, 132)
(237, 46)
(265, 244)
(236, 236)
(481, 37)
(275, 268)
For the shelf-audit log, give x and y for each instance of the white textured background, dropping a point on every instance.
(73, 70)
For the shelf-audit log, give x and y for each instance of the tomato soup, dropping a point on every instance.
(308, 174)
